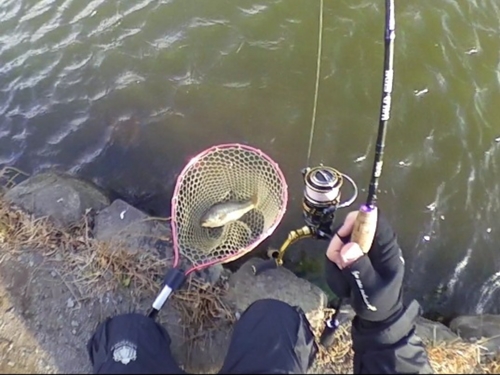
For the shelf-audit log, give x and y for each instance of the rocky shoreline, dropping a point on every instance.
(50, 309)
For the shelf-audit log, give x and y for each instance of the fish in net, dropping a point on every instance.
(235, 182)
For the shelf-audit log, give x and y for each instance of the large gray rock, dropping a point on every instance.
(63, 198)
(282, 284)
(482, 328)
(210, 275)
(434, 332)
(206, 353)
(132, 228)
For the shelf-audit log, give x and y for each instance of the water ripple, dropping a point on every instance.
(40, 75)
(41, 7)
(128, 33)
(480, 96)
(459, 269)
(94, 151)
(487, 292)
(186, 80)
(106, 25)
(62, 8)
(456, 6)
(497, 72)
(76, 65)
(22, 135)
(89, 11)
(13, 40)
(33, 111)
(19, 60)
(9, 159)
(70, 39)
(7, 14)
(237, 85)
(63, 132)
(98, 95)
(126, 79)
(268, 44)
(45, 30)
(204, 22)
(253, 10)
(138, 6)
(6, 103)
(166, 41)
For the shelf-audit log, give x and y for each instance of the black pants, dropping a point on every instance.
(270, 337)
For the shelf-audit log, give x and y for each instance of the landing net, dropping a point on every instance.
(229, 172)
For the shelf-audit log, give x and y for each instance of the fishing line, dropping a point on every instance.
(316, 90)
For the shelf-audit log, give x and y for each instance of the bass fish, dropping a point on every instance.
(223, 213)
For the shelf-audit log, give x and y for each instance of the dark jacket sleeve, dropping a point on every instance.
(390, 348)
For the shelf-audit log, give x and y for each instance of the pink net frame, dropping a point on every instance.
(236, 168)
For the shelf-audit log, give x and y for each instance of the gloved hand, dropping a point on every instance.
(373, 281)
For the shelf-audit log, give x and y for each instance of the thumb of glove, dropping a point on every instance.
(350, 253)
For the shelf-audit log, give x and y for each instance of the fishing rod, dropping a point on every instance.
(366, 221)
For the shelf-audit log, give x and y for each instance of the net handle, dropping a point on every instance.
(262, 237)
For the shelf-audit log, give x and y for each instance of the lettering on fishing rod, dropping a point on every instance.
(361, 288)
(386, 107)
(378, 168)
(386, 101)
(388, 80)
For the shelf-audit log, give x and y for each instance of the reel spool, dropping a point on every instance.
(322, 197)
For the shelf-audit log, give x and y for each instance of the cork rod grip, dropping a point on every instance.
(365, 227)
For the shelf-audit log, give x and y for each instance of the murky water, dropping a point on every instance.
(125, 92)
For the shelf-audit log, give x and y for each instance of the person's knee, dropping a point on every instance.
(273, 307)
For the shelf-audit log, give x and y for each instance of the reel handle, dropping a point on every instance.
(327, 337)
(268, 264)
(365, 227)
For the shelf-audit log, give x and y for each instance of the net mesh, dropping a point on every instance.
(224, 173)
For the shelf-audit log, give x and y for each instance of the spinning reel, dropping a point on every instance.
(320, 202)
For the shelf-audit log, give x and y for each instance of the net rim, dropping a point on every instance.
(262, 237)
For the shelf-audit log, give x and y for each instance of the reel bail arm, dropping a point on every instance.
(321, 200)
(276, 256)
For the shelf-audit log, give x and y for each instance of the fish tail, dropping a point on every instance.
(255, 200)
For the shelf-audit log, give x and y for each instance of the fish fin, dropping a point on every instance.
(255, 199)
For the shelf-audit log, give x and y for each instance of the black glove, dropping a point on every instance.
(374, 281)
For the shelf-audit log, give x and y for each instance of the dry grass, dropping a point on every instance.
(338, 358)
(457, 357)
(94, 267)
(461, 357)
(454, 358)
(203, 304)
